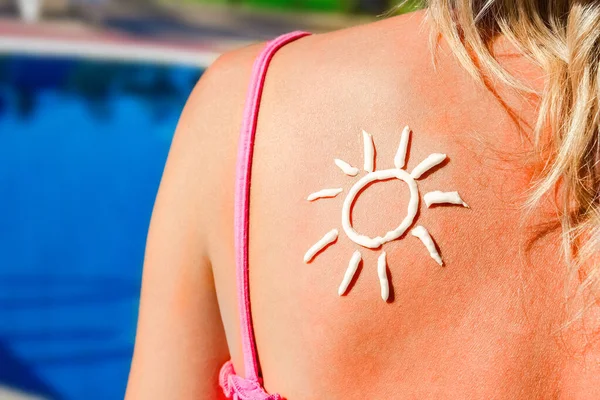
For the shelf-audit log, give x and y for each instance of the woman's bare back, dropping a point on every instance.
(489, 324)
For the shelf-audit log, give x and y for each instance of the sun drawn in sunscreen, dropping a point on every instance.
(398, 172)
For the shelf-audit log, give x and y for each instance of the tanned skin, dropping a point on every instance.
(490, 324)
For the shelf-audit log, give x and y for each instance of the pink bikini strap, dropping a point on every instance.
(242, 195)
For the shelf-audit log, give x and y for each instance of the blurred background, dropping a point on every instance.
(90, 94)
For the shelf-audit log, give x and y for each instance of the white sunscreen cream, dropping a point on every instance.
(350, 271)
(398, 172)
(369, 152)
(329, 237)
(438, 197)
(413, 205)
(383, 279)
(324, 193)
(345, 167)
(425, 237)
(400, 158)
(431, 161)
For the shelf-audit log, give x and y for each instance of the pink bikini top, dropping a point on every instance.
(250, 387)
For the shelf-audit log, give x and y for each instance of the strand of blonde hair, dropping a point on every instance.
(563, 38)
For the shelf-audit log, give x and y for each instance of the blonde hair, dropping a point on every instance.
(563, 38)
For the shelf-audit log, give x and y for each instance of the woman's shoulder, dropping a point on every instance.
(228, 77)
(344, 62)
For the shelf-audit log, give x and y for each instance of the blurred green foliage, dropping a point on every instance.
(346, 6)
(408, 6)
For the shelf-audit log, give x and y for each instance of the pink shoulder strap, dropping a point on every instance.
(242, 195)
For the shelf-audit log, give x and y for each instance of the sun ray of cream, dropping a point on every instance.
(431, 161)
(324, 193)
(329, 238)
(422, 233)
(350, 271)
(345, 167)
(383, 279)
(400, 158)
(437, 197)
(369, 151)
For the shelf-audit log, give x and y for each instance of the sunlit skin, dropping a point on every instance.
(485, 326)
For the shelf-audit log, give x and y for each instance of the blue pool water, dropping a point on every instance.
(82, 148)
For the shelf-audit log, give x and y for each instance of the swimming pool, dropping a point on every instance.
(82, 148)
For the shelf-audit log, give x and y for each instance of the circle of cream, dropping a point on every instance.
(413, 205)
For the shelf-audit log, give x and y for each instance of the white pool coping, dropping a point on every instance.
(11, 394)
(92, 49)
